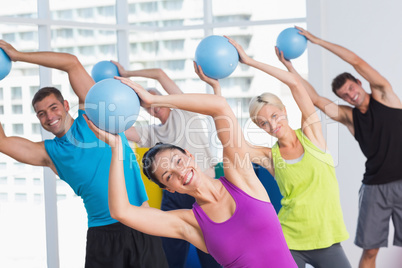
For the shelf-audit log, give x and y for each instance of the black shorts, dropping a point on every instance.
(118, 246)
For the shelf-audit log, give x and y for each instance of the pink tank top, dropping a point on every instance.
(252, 237)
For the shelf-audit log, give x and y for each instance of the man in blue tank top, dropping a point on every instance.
(83, 161)
(375, 120)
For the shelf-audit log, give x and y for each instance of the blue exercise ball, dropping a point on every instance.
(217, 57)
(291, 43)
(112, 105)
(103, 70)
(5, 64)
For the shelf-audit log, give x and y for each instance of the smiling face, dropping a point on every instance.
(273, 120)
(53, 114)
(176, 170)
(352, 92)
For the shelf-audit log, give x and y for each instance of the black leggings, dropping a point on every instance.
(332, 257)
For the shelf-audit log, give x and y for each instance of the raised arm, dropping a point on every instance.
(158, 74)
(228, 130)
(25, 151)
(339, 113)
(380, 87)
(166, 82)
(179, 224)
(206, 104)
(214, 83)
(310, 121)
(80, 80)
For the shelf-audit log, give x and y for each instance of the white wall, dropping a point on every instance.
(372, 30)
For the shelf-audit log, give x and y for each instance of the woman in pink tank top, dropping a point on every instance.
(232, 218)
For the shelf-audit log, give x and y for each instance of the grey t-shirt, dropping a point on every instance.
(184, 129)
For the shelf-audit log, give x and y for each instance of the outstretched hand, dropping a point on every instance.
(210, 81)
(109, 138)
(9, 49)
(313, 39)
(146, 98)
(243, 57)
(122, 71)
(281, 58)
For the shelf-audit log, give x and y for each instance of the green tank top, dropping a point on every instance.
(311, 214)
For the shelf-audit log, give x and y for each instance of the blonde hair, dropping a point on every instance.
(260, 101)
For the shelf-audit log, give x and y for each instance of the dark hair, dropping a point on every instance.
(149, 158)
(44, 92)
(340, 80)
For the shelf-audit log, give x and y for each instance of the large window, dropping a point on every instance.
(139, 34)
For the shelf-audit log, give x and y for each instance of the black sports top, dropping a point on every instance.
(379, 133)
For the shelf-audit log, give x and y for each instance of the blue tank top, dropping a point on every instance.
(83, 161)
(252, 237)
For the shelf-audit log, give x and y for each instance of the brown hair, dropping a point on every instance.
(149, 159)
(340, 80)
(44, 92)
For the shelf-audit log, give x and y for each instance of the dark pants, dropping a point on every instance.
(176, 250)
(119, 246)
(332, 257)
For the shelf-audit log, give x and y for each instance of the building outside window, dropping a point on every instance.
(161, 34)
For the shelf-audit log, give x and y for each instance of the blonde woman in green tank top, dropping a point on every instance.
(311, 215)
